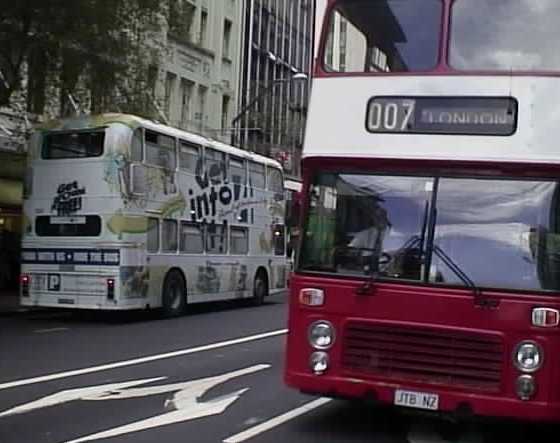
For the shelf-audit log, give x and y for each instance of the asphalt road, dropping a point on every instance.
(214, 375)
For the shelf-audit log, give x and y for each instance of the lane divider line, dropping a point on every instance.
(140, 360)
(44, 331)
(276, 421)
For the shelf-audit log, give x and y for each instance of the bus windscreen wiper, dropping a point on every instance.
(432, 248)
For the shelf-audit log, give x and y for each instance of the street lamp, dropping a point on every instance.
(264, 92)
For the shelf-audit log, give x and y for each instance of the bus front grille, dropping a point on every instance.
(453, 358)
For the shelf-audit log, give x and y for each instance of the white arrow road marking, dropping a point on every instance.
(423, 433)
(75, 394)
(185, 403)
(190, 389)
(136, 361)
(195, 410)
(276, 421)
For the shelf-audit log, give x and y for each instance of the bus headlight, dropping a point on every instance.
(321, 334)
(525, 387)
(319, 362)
(528, 356)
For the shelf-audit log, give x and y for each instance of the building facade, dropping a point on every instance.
(195, 84)
(275, 79)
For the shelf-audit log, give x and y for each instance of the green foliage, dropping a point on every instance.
(96, 50)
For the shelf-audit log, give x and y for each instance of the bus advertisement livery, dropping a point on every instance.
(428, 268)
(125, 213)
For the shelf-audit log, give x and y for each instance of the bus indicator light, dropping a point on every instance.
(545, 317)
(312, 297)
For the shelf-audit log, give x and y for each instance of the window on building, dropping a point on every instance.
(239, 240)
(153, 235)
(216, 239)
(170, 80)
(191, 238)
(186, 101)
(237, 170)
(225, 112)
(226, 42)
(203, 28)
(152, 80)
(181, 19)
(160, 150)
(169, 236)
(202, 93)
(189, 156)
(256, 175)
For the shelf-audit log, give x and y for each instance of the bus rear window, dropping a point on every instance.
(80, 144)
(383, 36)
(75, 226)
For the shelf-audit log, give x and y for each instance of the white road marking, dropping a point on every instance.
(43, 331)
(75, 394)
(136, 361)
(276, 421)
(184, 405)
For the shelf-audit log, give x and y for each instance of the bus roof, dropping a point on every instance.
(133, 121)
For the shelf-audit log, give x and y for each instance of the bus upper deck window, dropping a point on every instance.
(189, 156)
(136, 153)
(383, 36)
(237, 170)
(501, 41)
(79, 144)
(257, 176)
(275, 181)
(215, 164)
(160, 150)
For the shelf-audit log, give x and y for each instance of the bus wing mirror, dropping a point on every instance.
(138, 179)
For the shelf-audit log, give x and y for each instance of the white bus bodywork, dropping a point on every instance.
(217, 234)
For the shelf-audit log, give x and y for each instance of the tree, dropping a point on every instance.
(93, 51)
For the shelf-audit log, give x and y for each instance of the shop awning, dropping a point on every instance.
(10, 192)
(12, 165)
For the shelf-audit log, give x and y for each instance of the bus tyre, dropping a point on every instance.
(260, 288)
(174, 295)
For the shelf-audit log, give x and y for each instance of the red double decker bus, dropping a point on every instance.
(428, 270)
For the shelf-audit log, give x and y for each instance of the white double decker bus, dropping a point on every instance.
(126, 213)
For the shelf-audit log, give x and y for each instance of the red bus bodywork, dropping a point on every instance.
(447, 341)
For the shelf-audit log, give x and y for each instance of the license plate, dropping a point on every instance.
(414, 399)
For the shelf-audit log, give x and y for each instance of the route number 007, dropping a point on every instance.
(390, 115)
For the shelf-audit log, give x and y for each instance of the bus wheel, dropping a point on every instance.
(173, 298)
(260, 288)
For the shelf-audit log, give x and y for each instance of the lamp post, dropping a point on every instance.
(263, 93)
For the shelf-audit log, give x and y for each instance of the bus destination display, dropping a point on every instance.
(442, 115)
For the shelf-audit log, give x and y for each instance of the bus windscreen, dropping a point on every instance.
(418, 229)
